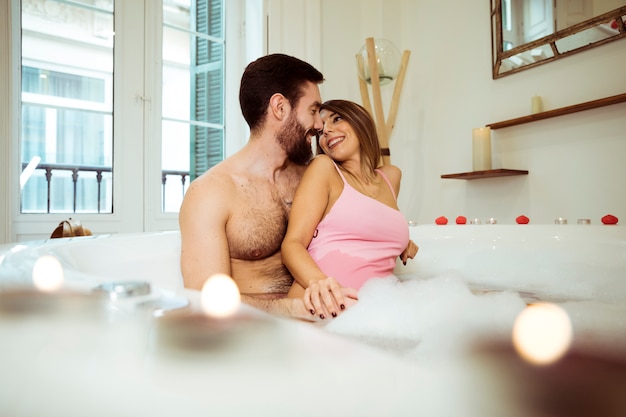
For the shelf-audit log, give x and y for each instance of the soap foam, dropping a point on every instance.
(418, 317)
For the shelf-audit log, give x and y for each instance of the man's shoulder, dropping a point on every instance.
(215, 182)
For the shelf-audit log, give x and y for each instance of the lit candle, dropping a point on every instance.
(536, 105)
(481, 148)
(220, 325)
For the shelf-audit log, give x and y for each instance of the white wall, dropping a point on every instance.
(576, 163)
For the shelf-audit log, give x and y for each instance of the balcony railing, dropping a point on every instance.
(183, 182)
(76, 170)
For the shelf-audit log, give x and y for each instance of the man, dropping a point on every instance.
(234, 217)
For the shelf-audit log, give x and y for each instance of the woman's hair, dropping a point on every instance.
(271, 74)
(364, 128)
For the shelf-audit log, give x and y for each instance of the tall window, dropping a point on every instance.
(193, 93)
(67, 101)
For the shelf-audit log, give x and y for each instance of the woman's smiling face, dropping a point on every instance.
(338, 139)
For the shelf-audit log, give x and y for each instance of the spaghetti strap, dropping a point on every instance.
(382, 174)
(340, 173)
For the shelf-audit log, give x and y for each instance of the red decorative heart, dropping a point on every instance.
(609, 219)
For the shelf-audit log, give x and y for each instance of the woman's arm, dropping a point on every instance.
(202, 220)
(310, 205)
(308, 209)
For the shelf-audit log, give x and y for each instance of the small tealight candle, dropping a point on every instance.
(481, 149)
(221, 325)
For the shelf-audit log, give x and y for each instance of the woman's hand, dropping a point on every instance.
(326, 298)
(409, 252)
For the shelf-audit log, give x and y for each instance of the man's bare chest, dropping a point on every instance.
(258, 222)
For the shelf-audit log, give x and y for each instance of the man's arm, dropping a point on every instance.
(202, 219)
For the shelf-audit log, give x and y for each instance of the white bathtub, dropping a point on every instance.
(562, 262)
(577, 262)
(117, 364)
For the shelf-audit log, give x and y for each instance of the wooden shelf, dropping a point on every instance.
(607, 101)
(492, 173)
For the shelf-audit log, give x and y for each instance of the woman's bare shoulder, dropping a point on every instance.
(322, 160)
(391, 171)
(321, 163)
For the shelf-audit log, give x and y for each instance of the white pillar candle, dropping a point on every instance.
(481, 148)
(536, 105)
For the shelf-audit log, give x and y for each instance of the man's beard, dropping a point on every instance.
(293, 140)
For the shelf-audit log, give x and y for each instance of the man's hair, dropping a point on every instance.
(271, 74)
(364, 127)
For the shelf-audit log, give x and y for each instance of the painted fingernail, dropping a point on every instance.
(334, 314)
(343, 307)
(403, 262)
(322, 316)
(312, 312)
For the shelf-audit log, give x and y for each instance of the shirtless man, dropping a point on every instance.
(234, 217)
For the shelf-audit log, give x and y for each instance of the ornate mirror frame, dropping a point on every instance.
(549, 48)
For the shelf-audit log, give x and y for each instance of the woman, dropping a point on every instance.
(345, 226)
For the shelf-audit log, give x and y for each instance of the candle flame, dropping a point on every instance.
(542, 333)
(48, 274)
(220, 296)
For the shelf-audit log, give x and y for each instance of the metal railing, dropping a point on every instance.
(183, 180)
(76, 170)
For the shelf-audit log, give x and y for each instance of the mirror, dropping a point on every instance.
(527, 33)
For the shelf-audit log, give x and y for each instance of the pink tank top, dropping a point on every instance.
(359, 238)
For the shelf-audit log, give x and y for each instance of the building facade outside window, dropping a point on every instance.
(67, 102)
